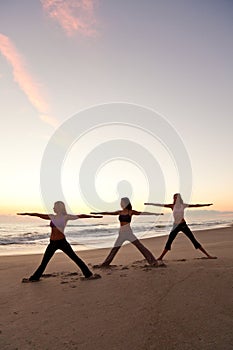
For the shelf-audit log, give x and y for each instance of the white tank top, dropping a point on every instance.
(178, 212)
(58, 221)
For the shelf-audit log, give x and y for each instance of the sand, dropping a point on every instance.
(188, 305)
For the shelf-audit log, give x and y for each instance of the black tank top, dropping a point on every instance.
(125, 218)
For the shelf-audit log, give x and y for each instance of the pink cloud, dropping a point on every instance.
(25, 81)
(73, 15)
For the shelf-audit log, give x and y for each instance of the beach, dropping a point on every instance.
(186, 306)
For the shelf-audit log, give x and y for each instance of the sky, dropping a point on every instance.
(60, 57)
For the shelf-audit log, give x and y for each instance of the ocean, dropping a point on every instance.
(27, 235)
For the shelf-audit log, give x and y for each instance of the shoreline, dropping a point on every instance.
(24, 252)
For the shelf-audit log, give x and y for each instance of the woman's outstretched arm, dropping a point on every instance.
(159, 205)
(42, 216)
(135, 212)
(82, 216)
(198, 205)
(107, 213)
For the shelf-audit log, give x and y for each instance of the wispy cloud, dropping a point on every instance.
(25, 80)
(73, 15)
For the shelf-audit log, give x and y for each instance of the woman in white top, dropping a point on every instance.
(178, 207)
(58, 240)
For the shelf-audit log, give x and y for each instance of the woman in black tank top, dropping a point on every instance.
(126, 233)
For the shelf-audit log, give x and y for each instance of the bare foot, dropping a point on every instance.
(158, 264)
(28, 280)
(95, 276)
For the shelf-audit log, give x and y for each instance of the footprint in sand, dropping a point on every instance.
(202, 258)
(181, 260)
(48, 275)
(99, 266)
(72, 274)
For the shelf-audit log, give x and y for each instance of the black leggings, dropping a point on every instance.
(66, 248)
(185, 229)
